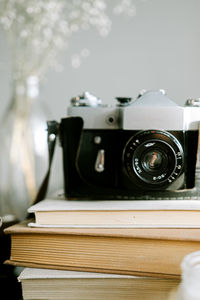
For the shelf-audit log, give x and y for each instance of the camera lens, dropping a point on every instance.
(153, 159)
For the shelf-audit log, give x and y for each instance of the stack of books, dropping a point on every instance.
(104, 249)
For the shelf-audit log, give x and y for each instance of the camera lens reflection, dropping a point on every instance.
(152, 160)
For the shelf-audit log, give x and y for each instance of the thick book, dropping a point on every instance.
(133, 251)
(42, 284)
(151, 213)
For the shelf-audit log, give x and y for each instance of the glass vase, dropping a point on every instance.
(23, 154)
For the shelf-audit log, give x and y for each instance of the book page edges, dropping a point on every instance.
(128, 218)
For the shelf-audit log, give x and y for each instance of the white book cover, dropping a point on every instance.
(103, 205)
(33, 273)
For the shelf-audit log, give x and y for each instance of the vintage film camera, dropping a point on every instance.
(142, 149)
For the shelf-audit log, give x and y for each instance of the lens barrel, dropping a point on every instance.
(153, 159)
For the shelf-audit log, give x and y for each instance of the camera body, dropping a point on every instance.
(142, 149)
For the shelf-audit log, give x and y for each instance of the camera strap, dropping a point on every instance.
(53, 130)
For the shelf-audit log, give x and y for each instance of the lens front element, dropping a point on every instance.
(152, 160)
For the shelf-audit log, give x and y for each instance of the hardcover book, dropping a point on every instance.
(42, 284)
(151, 213)
(128, 251)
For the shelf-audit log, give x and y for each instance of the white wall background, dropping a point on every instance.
(158, 48)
